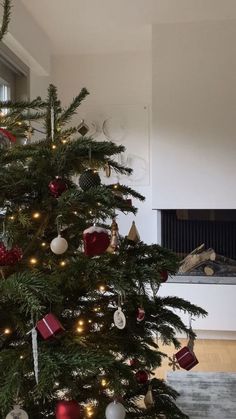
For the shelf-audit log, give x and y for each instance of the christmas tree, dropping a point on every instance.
(79, 307)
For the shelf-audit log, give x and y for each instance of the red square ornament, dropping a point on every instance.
(49, 326)
(186, 358)
(96, 241)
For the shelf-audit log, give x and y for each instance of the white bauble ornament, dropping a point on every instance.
(59, 245)
(17, 413)
(115, 410)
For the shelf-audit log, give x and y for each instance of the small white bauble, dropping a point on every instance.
(17, 413)
(59, 245)
(115, 410)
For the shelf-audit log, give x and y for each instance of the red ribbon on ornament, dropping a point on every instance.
(8, 134)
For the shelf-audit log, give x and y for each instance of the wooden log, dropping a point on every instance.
(208, 270)
(198, 249)
(194, 259)
(224, 260)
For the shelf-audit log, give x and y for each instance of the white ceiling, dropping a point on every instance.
(102, 26)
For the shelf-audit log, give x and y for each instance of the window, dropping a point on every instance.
(14, 76)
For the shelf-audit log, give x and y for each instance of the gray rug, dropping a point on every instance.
(205, 395)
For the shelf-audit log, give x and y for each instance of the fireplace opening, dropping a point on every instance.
(184, 231)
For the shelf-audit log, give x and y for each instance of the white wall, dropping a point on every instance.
(112, 79)
(194, 109)
(217, 300)
(27, 40)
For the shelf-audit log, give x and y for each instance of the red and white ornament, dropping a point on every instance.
(186, 358)
(59, 245)
(49, 326)
(96, 241)
(10, 256)
(140, 315)
(115, 410)
(57, 186)
(68, 409)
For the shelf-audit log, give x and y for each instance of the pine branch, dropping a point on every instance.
(6, 18)
(22, 105)
(72, 108)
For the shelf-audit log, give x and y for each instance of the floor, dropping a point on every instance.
(213, 356)
(205, 395)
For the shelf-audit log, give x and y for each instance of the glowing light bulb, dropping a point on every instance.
(12, 217)
(33, 261)
(75, 212)
(63, 263)
(90, 321)
(36, 215)
(7, 331)
(91, 212)
(102, 288)
(43, 244)
(19, 123)
(81, 322)
(54, 146)
(21, 357)
(80, 329)
(103, 382)
(64, 141)
(115, 186)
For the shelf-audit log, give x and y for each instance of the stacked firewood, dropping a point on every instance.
(207, 262)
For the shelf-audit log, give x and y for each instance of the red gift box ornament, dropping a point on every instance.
(186, 357)
(49, 326)
(96, 241)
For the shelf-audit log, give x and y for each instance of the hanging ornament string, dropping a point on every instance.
(90, 155)
(191, 341)
(52, 124)
(59, 224)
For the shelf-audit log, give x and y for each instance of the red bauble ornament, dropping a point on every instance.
(164, 276)
(142, 377)
(9, 257)
(68, 410)
(57, 186)
(134, 363)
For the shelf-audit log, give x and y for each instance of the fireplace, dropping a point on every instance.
(185, 230)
